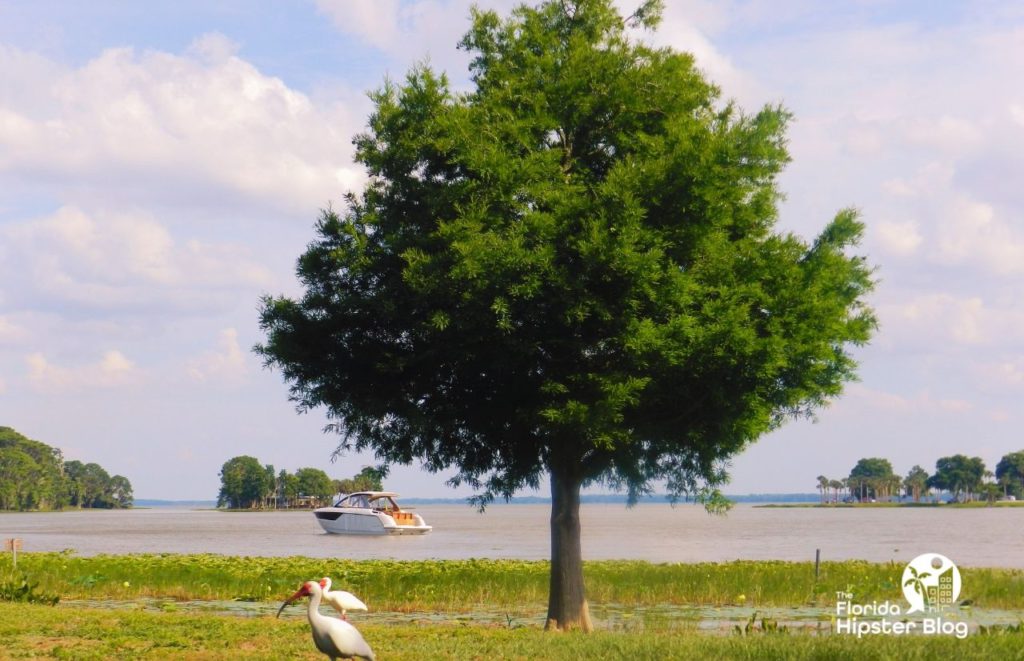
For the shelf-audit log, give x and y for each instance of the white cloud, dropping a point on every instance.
(899, 238)
(945, 133)
(11, 332)
(411, 31)
(679, 30)
(214, 47)
(972, 232)
(154, 126)
(122, 258)
(930, 179)
(1006, 373)
(1017, 114)
(960, 229)
(939, 320)
(111, 371)
(375, 21)
(921, 402)
(999, 415)
(414, 30)
(226, 363)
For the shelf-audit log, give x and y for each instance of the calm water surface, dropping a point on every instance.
(989, 537)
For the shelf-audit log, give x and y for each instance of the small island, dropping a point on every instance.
(958, 481)
(35, 477)
(246, 484)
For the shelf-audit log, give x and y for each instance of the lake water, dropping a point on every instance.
(987, 537)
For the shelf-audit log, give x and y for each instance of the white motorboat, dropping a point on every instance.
(370, 513)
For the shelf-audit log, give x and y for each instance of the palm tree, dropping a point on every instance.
(916, 482)
(895, 482)
(822, 486)
(1005, 481)
(917, 581)
(989, 488)
(836, 486)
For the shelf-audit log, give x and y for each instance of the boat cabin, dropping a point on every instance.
(379, 501)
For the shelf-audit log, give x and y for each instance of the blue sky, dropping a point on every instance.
(162, 164)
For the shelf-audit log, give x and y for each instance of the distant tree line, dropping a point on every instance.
(34, 476)
(245, 483)
(964, 478)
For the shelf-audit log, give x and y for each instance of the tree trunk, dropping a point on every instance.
(567, 602)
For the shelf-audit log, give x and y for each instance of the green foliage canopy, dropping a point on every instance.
(314, 483)
(570, 268)
(916, 482)
(1010, 471)
(245, 483)
(873, 477)
(958, 474)
(368, 479)
(872, 468)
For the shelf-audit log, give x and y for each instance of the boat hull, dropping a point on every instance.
(340, 521)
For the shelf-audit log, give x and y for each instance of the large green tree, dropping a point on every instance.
(1010, 472)
(569, 271)
(30, 473)
(92, 484)
(367, 479)
(314, 483)
(244, 483)
(120, 492)
(959, 474)
(287, 488)
(872, 477)
(17, 471)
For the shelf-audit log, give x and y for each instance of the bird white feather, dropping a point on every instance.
(341, 600)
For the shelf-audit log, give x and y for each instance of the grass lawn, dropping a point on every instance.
(173, 607)
(29, 631)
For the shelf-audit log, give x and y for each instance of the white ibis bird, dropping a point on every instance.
(341, 600)
(336, 638)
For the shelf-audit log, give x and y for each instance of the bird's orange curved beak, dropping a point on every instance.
(303, 592)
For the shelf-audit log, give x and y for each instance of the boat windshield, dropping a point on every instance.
(361, 500)
(384, 503)
(357, 500)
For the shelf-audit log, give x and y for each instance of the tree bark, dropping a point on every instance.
(567, 602)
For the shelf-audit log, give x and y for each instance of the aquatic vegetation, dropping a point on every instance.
(519, 587)
(18, 586)
(997, 629)
(767, 626)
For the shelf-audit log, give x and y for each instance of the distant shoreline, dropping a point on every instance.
(787, 499)
(977, 504)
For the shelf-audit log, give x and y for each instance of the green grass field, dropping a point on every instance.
(42, 632)
(134, 607)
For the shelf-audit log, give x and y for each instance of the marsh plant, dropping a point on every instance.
(516, 587)
(18, 586)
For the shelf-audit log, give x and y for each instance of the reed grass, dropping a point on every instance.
(517, 586)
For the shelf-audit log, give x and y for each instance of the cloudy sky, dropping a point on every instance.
(162, 164)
